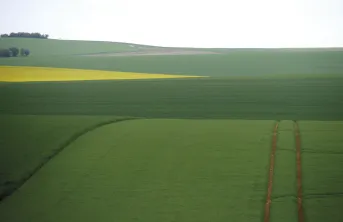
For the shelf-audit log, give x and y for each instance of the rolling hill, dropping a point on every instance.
(228, 147)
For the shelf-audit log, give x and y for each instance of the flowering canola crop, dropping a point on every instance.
(40, 74)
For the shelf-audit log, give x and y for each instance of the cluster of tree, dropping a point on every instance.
(14, 52)
(25, 35)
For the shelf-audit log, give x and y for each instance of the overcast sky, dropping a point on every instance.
(193, 23)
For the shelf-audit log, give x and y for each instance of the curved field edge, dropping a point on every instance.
(10, 186)
(156, 169)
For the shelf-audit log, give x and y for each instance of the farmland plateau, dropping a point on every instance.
(124, 132)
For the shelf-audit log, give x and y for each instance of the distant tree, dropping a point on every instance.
(26, 52)
(21, 34)
(22, 52)
(5, 53)
(15, 51)
(26, 35)
(35, 35)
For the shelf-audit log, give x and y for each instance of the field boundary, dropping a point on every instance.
(15, 185)
(299, 172)
(271, 174)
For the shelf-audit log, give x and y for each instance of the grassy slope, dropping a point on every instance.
(307, 99)
(152, 170)
(51, 47)
(28, 141)
(233, 62)
(314, 91)
(322, 170)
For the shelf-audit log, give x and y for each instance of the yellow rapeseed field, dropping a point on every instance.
(38, 74)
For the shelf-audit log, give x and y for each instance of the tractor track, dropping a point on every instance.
(299, 173)
(271, 175)
(299, 195)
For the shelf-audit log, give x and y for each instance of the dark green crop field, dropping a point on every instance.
(270, 99)
(172, 149)
(238, 64)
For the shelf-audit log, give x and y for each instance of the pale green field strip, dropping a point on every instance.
(283, 206)
(152, 170)
(52, 47)
(322, 159)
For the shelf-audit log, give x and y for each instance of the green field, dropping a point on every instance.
(270, 99)
(284, 207)
(238, 63)
(48, 47)
(276, 64)
(41, 138)
(171, 149)
(152, 170)
(322, 166)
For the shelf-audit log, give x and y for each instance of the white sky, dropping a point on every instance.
(192, 23)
